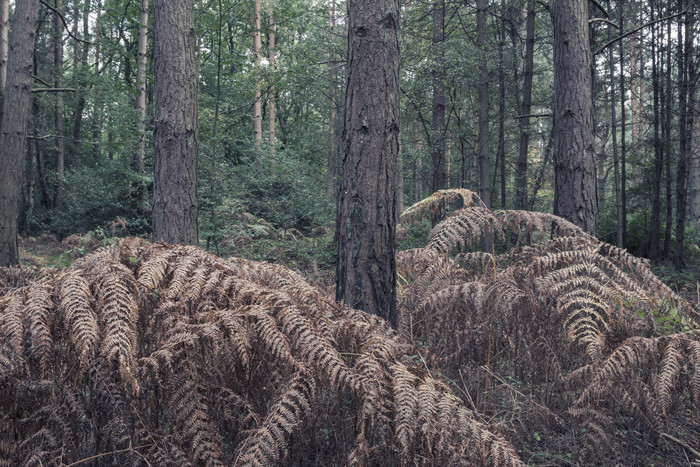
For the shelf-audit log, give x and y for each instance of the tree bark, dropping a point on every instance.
(98, 105)
(616, 160)
(58, 116)
(575, 189)
(175, 203)
(142, 51)
(332, 171)
(524, 122)
(484, 155)
(623, 137)
(667, 144)
(366, 221)
(271, 88)
(438, 124)
(4, 30)
(655, 227)
(257, 105)
(13, 129)
(687, 84)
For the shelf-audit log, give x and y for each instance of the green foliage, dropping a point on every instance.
(96, 196)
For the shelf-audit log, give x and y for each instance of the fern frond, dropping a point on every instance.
(268, 444)
(436, 204)
(75, 300)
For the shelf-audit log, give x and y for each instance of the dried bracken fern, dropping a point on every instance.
(166, 355)
(583, 324)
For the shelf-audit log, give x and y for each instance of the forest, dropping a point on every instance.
(360, 232)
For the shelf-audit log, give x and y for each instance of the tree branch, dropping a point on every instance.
(63, 20)
(603, 20)
(600, 7)
(637, 29)
(54, 90)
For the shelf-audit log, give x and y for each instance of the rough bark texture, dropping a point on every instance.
(4, 29)
(13, 132)
(175, 135)
(271, 92)
(257, 105)
(575, 184)
(524, 122)
(58, 115)
(142, 50)
(333, 169)
(484, 155)
(686, 78)
(438, 124)
(366, 222)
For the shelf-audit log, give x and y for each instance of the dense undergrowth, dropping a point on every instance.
(521, 340)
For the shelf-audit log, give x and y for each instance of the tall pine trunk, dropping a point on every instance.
(524, 120)
(13, 129)
(366, 221)
(58, 117)
(175, 203)
(484, 155)
(574, 163)
(438, 124)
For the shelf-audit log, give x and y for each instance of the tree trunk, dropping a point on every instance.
(667, 144)
(257, 105)
(616, 160)
(524, 122)
(687, 83)
(655, 227)
(271, 91)
(97, 117)
(332, 171)
(58, 82)
(501, 155)
(623, 147)
(484, 156)
(575, 189)
(142, 51)
(13, 129)
(80, 104)
(366, 221)
(175, 204)
(438, 124)
(4, 30)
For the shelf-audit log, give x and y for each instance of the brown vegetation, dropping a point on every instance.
(551, 344)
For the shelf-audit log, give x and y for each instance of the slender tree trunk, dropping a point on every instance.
(142, 55)
(667, 144)
(484, 155)
(693, 161)
(616, 160)
(175, 204)
(438, 124)
(4, 30)
(13, 129)
(524, 122)
(575, 189)
(417, 147)
(501, 156)
(58, 82)
(97, 117)
(687, 83)
(655, 227)
(80, 104)
(332, 171)
(257, 105)
(622, 214)
(271, 92)
(366, 222)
